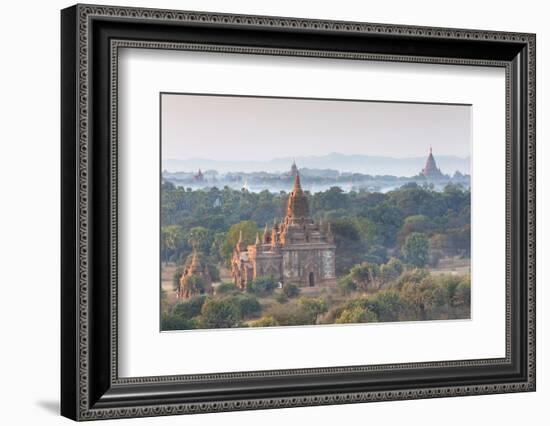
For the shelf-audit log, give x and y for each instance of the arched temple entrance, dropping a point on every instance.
(311, 279)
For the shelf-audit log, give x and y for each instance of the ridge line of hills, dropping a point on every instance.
(355, 163)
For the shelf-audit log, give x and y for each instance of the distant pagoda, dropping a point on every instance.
(293, 170)
(199, 177)
(431, 170)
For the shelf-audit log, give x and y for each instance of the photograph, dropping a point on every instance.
(279, 211)
(307, 211)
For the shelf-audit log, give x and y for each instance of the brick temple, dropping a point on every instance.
(296, 251)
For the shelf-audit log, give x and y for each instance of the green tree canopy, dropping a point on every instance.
(262, 286)
(415, 249)
(199, 238)
(364, 275)
(391, 270)
(249, 230)
(356, 314)
(222, 313)
(171, 237)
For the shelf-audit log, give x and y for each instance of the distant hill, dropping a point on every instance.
(372, 165)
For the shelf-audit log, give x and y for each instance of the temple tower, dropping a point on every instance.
(431, 170)
(195, 279)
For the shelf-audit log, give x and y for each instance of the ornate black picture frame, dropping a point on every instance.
(90, 38)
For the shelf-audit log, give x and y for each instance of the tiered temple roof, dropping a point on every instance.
(431, 170)
(188, 286)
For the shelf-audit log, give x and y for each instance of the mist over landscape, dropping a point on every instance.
(365, 164)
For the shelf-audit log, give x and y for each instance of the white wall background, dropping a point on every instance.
(29, 213)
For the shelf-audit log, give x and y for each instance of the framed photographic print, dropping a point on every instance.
(263, 212)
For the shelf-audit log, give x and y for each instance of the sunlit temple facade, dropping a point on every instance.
(296, 250)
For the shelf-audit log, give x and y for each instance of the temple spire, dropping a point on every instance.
(267, 235)
(239, 244)
(298, 207)
(293, 168)
(297, 183)
(430, 169)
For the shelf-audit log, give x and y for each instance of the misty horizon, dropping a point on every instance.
(240, 128)
(342, 163)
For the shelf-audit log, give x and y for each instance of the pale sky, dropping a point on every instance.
(243, 128)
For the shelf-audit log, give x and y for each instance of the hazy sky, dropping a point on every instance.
(243, 128)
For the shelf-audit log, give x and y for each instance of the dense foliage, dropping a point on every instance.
(413, 295)
(385, 243)
(417, 224)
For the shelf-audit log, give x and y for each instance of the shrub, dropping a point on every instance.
(247, 304)
(262, 286)
(462, 297)
(281, 298)
(226, 288)
(434, 256)
(268, 321)
(290, 314)
(346, 285)
(223, 313)
(189, 308)
(390, 271)
(170, 322)
(176, 278)
(313, 307)
(364, 275)
(421, 297)
(195, 284)
(416, 275)
(449, 284)
(387, 305)
(415, 249)
(356, 315)
(291, 290)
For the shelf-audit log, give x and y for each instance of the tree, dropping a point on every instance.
(291, 313)
(216, 247)
(415, 249)
(332, 199)
(199, 238)
(248, 305)
(313, 307)
(195, 284)
(268, 321)
(462, 296)
(415, 223)
(226, 288)
(387, 305)
(346, 285)
(356, 314)
(171, 322)
(189, 308)
(421, 297)
(290, 290)
(416, 275)
(392, 270)
(364, 275)
(248, 229)
(388, 220)
(261, 286)
(171, 237)
(223, 313)
(350, 247)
